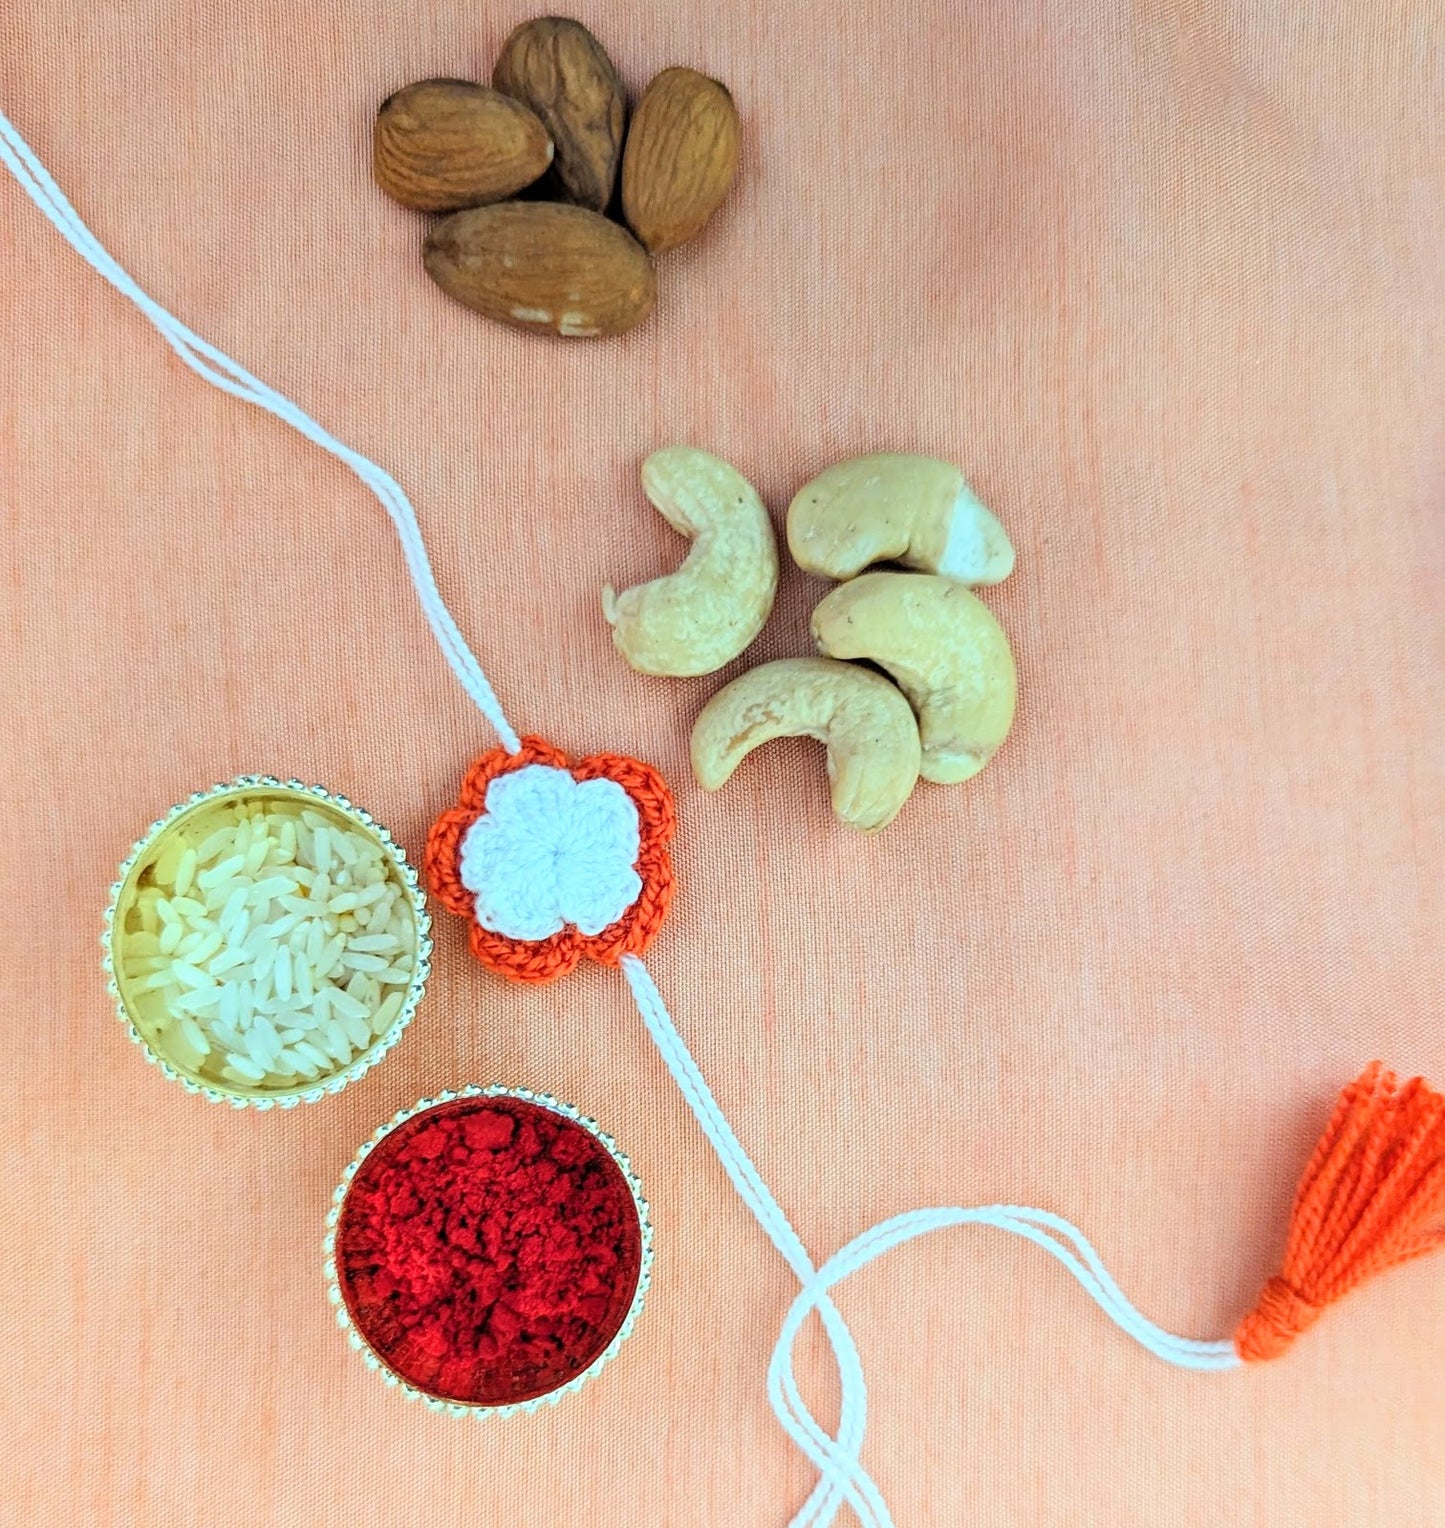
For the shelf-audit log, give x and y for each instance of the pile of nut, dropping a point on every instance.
(953, 698)
(552, 126)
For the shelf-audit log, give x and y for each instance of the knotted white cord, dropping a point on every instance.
(842, 1476)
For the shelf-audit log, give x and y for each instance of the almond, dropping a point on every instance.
(444, 144)
(543, 265)
(559, 69)
(681, 155)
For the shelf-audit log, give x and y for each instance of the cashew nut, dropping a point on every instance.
(701, 617)
(896, 508)
(869, 730)
(948, 654)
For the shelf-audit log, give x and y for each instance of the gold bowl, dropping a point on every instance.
(155, 1024)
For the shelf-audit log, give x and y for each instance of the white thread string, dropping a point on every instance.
(1035, 1225)
(1059, 1238)
(222, 372)
(1050, 1232)
(842, 1477)
(1056, 1236)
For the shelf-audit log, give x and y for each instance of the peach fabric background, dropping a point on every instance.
(1167, 278)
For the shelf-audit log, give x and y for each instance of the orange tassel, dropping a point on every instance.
(1372, 1196)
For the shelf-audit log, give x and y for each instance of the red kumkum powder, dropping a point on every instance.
(488, 1250)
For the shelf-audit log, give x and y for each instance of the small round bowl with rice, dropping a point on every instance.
(266, 942)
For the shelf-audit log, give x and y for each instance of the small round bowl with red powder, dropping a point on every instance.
(488, 1251)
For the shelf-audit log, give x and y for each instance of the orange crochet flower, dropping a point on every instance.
(547, 866)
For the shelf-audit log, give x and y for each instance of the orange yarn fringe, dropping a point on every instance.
(1372, 1196)
(544, 960)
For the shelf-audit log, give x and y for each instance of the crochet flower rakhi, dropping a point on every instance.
(552, 861)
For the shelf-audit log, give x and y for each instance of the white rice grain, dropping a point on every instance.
(330, 955)
(226, 959)
(195, 1036)
(261, 1050)
(232, 919)
(282, 971)
(308, 1052)
(197, 1002)
(373, 944)
(261, 964)
(210, 847)
(224, 870)
(359, 960)
(345, 1004)
(333, 1040)
(227, 1036)
(190, 976)
(385, 1015)
(358, 1031)
(300, 1063)
(198, 947)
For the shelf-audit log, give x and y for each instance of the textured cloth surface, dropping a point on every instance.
(1167, 280)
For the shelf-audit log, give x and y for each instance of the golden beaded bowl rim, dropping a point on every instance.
(377, 1364)
(217, 1090)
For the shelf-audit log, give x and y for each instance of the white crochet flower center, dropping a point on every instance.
(550, 851)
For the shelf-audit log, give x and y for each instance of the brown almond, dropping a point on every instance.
(543, 265)
(444, 144)
(559, 69)
(680, 159)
